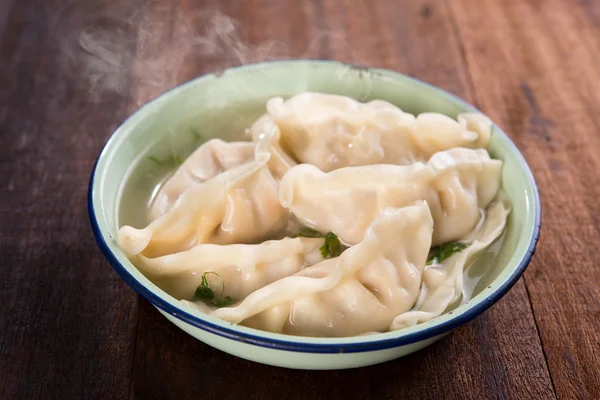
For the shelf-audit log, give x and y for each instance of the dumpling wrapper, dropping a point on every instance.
(241, 268)
(237, 206)
(456, 184)
(443, 283)
(331, 131)
(209, 160)
(280, 162)
(359, 292)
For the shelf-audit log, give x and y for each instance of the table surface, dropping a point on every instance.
(71, 71)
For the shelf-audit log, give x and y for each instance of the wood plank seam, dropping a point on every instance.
(537, 328)
(139, 300)
(463, 55)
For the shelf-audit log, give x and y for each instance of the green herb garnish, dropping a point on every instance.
(226, 302)
(204, 292)
(175, 159)
(197, 135)
(439, 253)
(156, 160)
(332, 246)
(305, 231)
(178, 159)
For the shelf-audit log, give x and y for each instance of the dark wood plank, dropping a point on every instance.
(491, 357)
(465, 365)
(66, 321)
(535, 69)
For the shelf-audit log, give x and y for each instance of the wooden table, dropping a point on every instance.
(71, 71)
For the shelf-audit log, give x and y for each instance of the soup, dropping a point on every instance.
(333, 217)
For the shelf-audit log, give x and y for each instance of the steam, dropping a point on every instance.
(105, 61)
(130, 49)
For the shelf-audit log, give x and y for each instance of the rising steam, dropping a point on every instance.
(127, 48)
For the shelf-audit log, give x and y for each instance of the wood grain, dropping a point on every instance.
(536, 76)
(66, 320)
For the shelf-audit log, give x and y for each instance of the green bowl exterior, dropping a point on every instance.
(208, 100)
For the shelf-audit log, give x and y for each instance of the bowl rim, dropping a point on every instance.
(370, 343)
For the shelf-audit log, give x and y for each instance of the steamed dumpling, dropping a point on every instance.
(208, 161)
(361, 291)
(237, 206)
(456, 184)
(443, 283)
(241, 268)
(280, 162)
(435, 132)
(331, 131)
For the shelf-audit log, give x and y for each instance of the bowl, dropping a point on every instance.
(222, 105)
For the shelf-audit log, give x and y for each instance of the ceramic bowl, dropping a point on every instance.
(222, 105)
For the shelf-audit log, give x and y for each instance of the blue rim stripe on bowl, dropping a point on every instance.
(330, 347)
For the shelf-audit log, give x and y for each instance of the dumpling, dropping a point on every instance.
(435, 132)
(478, 123)
(237, 268)
(466, 182)
(237, 206)
(331, 131)
(443, 283)
(209, 160)
(456, 184)
(361, 291)
(280, 162)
